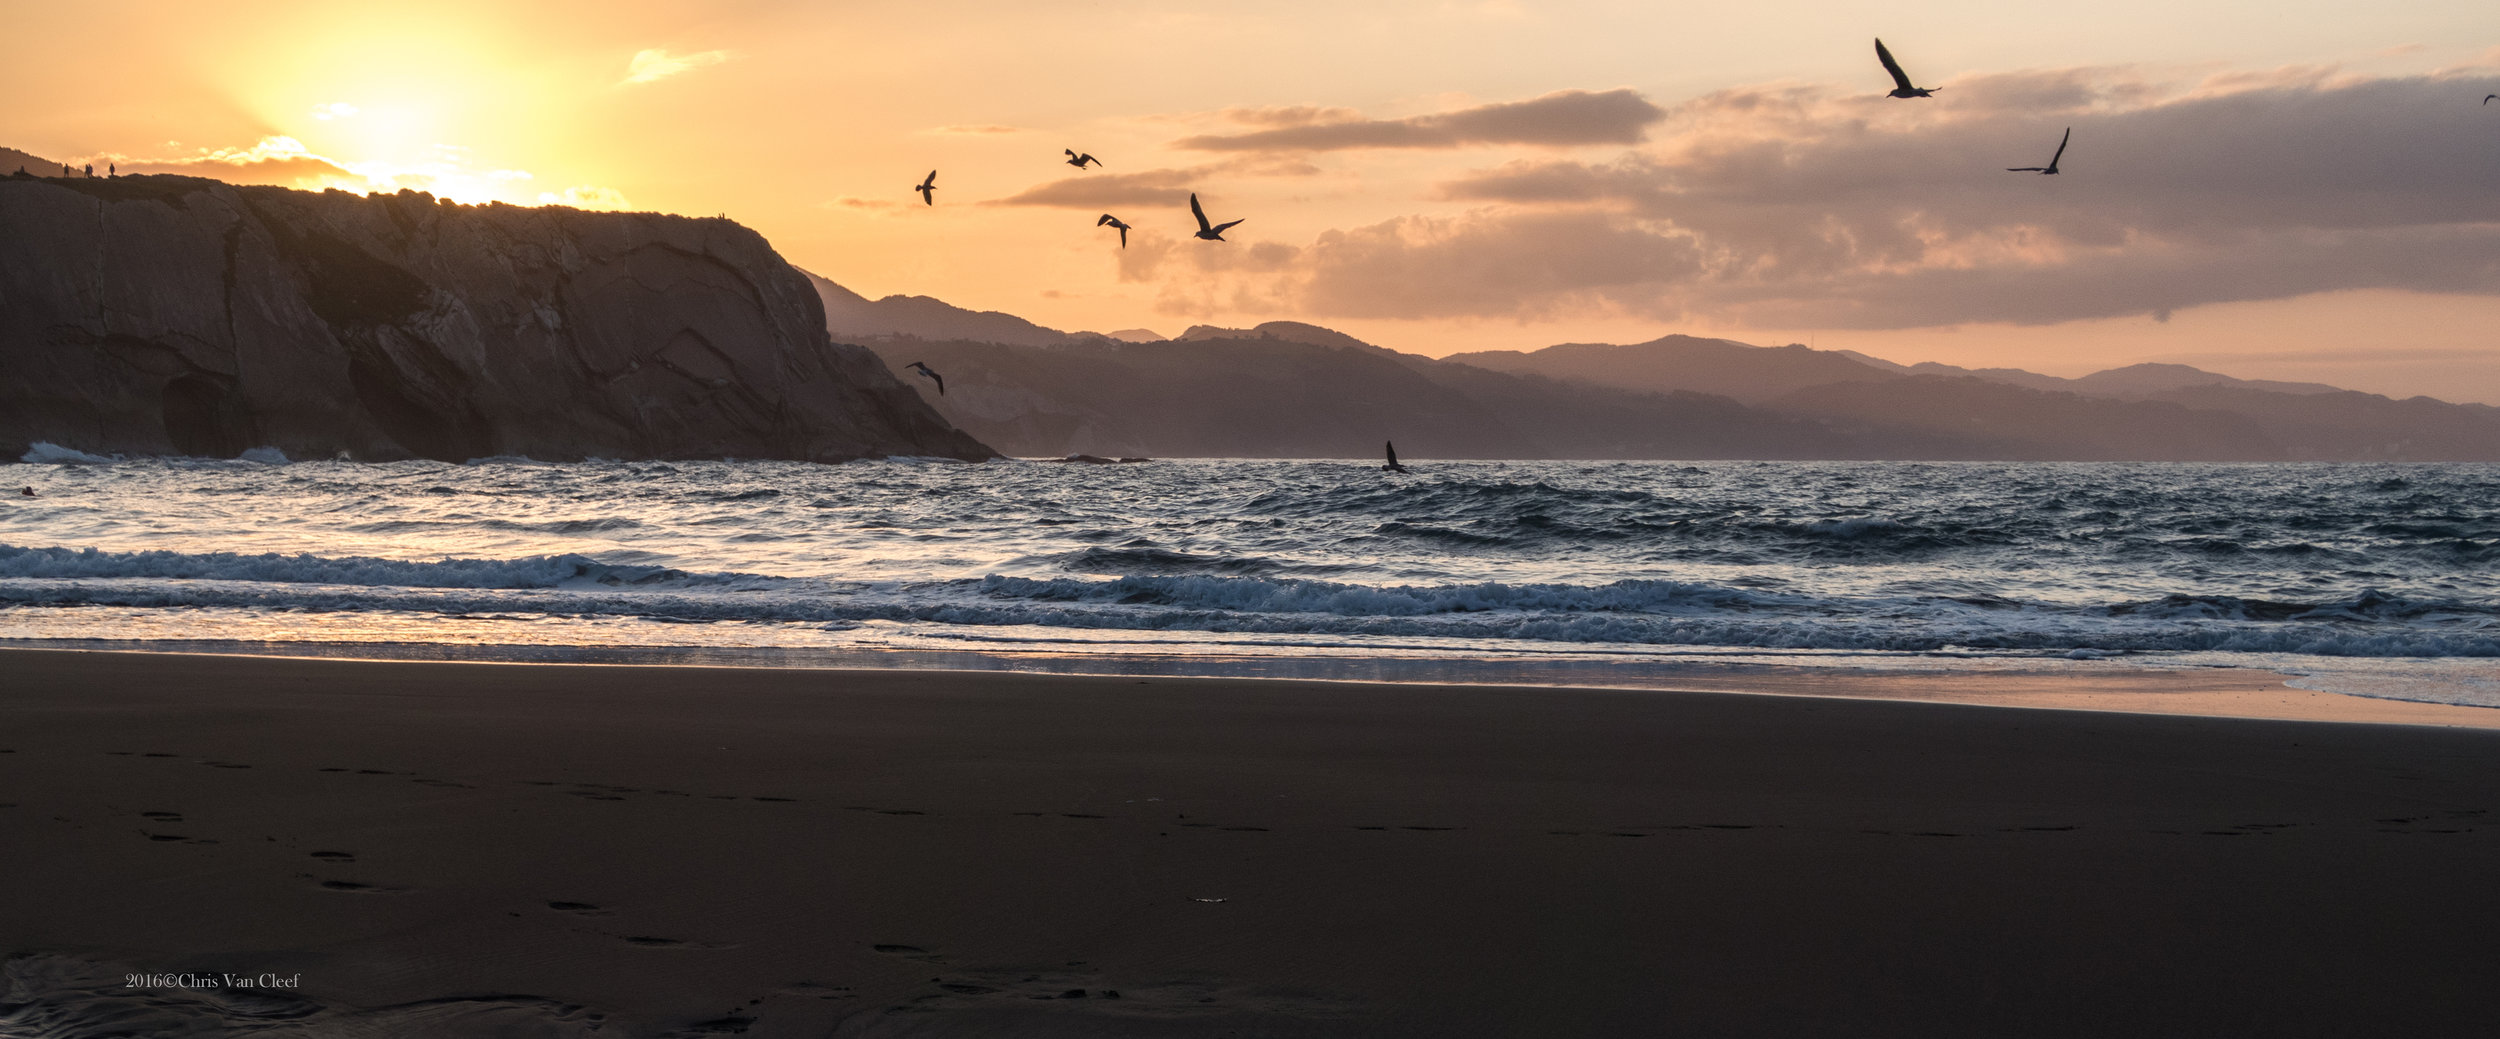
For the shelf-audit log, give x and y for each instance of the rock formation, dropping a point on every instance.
(173, 315)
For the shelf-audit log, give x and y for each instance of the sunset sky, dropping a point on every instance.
(2287, 189)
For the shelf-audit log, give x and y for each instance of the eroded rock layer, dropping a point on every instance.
(173, 315)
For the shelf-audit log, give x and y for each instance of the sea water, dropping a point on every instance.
(2379, 580)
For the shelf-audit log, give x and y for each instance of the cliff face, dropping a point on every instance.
(171, 315)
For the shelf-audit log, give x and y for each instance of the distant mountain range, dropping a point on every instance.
(1287, 389)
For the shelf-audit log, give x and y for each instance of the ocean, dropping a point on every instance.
(2374, 580)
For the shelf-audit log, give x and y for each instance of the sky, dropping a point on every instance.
(2285, 190)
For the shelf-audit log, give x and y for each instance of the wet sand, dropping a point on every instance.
(474, 849)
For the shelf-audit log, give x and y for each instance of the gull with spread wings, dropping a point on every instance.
(2051, 168)
(1115, 222)
(1900, 80)
(1212, 233)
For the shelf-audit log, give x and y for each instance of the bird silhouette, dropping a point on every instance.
(2489, 98)
(1115, 222)
(1213, 233)
(928, 189)
(2051, 168)
(1079, 161)
(1900, 80)
(929, 375)
(1393, 466)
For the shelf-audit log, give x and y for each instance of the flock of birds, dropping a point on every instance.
(1213, 232)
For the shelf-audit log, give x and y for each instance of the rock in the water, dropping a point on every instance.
(173, 315)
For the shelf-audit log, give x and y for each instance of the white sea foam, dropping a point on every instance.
(2376, 567)
(45, 452)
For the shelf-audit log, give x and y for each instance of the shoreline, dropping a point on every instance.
(540, 849)
(2204, 692)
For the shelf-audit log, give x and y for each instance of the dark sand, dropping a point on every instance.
(465, 849)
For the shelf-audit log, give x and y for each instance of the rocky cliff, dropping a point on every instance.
(172, 315)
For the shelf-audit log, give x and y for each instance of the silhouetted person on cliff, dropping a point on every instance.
(928, 188)
(112, 170)
(1900, 80)
(2051, 168)
(1115, 222)
(929, 375)
(91, 171)
(1213, 233)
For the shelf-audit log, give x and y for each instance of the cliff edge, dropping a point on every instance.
(173, 315)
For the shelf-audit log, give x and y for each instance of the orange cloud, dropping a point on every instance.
(651, 66)
(1561, 119)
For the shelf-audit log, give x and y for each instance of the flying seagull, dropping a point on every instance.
(1213, 233)
(930, 375)
(928, 189)
(2489, 98)
(1079, 161)
(1900, 80)
(2051, 168)
(1115, 222)
(1393, 466)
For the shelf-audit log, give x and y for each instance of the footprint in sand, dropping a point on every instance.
(334, 856)
(910, 952)
(355, 888)
(578, 908)
(162, 817)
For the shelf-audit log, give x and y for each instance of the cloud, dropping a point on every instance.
(286, 162)
(651, 66)
(333, 110)
(585, 196)
(1144, 188)
(1563, 119)
(271, 160)
(1793, 207)
(1159, 187)
(974, 131)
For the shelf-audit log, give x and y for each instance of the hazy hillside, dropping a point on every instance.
(851, 316)
(1285, 389)
(1678, 362)
(12, 160)
(1237, 398)
(1931, 410)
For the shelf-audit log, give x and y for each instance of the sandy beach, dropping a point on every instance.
(476, 849)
